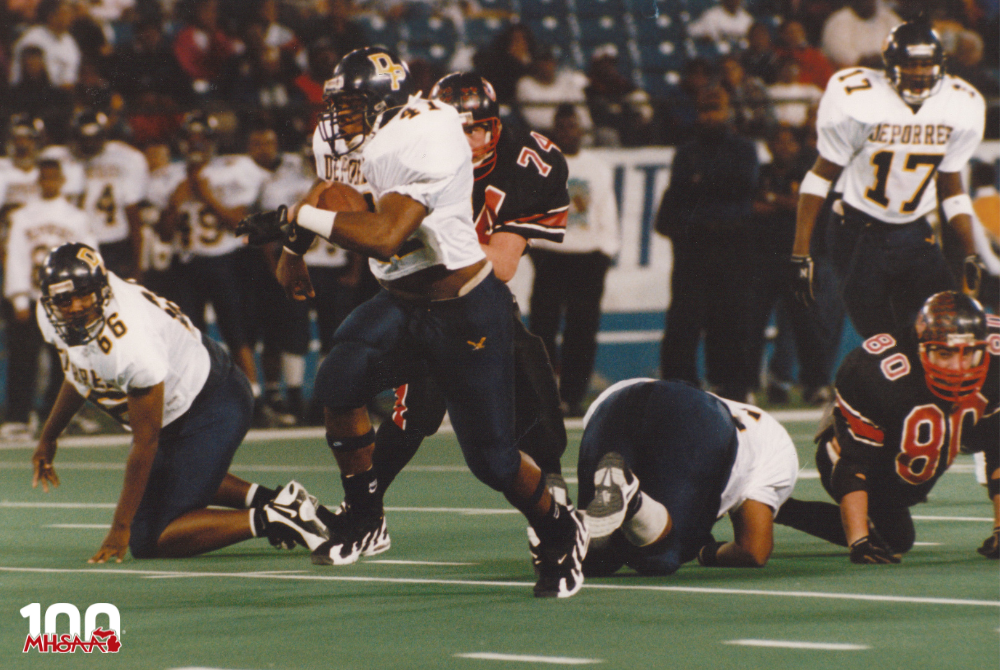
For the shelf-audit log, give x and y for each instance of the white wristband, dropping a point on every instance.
(813, 184)
(317, 220)
(957, 204)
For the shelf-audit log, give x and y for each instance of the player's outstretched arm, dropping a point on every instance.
(378, 234)
(812, 194)
(958, 211)
(504, 252)
(67, 404)
(145, 410)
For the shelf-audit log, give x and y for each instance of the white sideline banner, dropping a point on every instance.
(639, 281)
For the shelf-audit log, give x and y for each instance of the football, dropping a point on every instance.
(340, 197)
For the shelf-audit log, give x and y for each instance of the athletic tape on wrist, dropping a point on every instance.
(957, 204)
(813, 184)
(317, 220)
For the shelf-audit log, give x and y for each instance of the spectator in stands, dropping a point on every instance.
(705, 213)
(569, 276)
(34, 94)
(201, 47)
(506, 59)
(760, 59)
(275, 34)
(753, 115)
(547, 86)
(42, 223)
(337, 26)
(680, 108)
(51, 34)
(322, 57)
(792, 100)
(854, 34)
(146, 67)
(726, 24)
(261, 77)
(967, 62)
(621, 111)
(814, 66)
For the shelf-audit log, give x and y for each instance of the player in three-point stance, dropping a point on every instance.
(897, 140)
(907, 403)
(662, 461)
(137, 357)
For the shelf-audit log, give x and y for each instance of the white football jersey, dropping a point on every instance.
(17, 186)
(145, 340)
(889, 152)
(116, 178)
(236, 181)
(35, 229)
(76, 178)
(766, 465)
(422, 153)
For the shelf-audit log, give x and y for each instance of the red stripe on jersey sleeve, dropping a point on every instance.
(554, 219)
(861, 428)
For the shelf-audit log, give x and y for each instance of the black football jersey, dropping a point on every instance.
(896, 437)
(525, 193)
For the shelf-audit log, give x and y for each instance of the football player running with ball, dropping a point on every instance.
(441, 308)
(906, 403)
(900, 138)
(137, 357)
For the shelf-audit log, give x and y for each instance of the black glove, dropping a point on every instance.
(264, 227)
(991, 547)
(802, 279)
(866, 552)
(972, 274)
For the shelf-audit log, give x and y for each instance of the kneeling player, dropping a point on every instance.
(138, 357)
(907, 402)
(662, 461)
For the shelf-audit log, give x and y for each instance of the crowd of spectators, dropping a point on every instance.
(142, 65)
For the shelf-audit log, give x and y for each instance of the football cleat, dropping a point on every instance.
(560, 569)
(291, 516)
(560, 493)
(614, 488)
(353, 534)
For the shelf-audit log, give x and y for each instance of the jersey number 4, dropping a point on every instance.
(882, 161)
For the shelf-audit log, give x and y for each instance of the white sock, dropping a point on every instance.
(250, 494)
(293, 368)
(646, 526)
(253, 526)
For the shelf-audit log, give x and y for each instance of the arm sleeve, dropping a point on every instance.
(142, 366)
(545, 215)
(858, 433)
(965, 140)
(839, 135)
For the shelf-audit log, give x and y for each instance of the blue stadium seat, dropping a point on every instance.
(379, 31)
(503, 6)
(626, 60)
(660, 83)
(602, 30)
(533, 9)
(430, 30)
(656, 30)
(663, 56)
(439, 54)
(553, 31)
(591, 8)
(481, 31)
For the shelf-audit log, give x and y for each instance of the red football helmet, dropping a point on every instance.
(951, 330)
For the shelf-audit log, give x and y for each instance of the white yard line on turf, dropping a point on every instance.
(518, 658)
(790, 644)
(313, 432)
(312, 577)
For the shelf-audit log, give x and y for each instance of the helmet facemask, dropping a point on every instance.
(345, 124)
(965, 376)
(916, 82)
(77, 316)
(484, 157)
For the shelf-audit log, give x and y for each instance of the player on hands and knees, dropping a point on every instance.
(907, 403)
(137, 357)
(662, 461)
(441, 307)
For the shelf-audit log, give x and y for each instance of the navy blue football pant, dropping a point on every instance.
(218, 280)
(467, 346)
(886, 271)
(681, 444)
(194, 452)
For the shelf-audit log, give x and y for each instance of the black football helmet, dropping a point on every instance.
(953, 325)
(476, 102)
(196, 139)
(367, 87)
(911, 45)
(90, 131)
(70, 275)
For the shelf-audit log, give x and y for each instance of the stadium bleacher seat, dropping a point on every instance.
(438, 54)
(380, 31)
(590, 8)
(660, 83)
(480, 31)
(553, 31)
(655, 30)
(430, 30)
(531, 9)
(602, 29)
